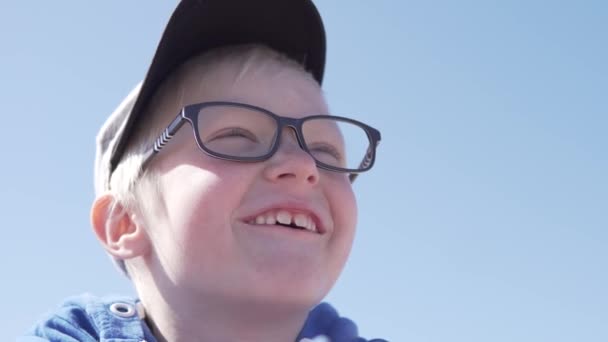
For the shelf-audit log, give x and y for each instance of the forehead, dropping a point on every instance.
(259, 77)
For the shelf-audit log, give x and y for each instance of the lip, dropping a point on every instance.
(321, 221)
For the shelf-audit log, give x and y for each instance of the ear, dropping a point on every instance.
(117, 230)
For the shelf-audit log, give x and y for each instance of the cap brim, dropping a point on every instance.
(291, 27)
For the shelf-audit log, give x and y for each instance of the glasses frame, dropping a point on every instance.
(190, 114)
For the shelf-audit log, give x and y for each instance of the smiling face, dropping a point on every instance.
(220, 229)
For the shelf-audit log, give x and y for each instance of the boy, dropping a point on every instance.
(224, 186)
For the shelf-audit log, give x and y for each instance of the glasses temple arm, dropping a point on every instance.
(367, 160)
(162, 140)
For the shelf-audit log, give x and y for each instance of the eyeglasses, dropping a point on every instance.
(245, 133)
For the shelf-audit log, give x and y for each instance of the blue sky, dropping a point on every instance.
(485, 218)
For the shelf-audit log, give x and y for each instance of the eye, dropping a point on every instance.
(234, 132)
(326, 153)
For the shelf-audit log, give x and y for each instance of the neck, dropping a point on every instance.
(206, 320)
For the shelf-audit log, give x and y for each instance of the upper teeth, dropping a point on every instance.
(285, 217)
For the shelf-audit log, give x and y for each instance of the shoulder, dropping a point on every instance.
(324, 320)
(86, 318)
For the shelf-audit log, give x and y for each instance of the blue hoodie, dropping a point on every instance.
(89, 319)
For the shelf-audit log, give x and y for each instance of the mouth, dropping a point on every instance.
(298, 220)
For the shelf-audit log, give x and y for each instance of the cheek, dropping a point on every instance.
(199, 204)
(341, 196)
(343, 206)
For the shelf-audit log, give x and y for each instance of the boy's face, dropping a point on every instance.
(204, 242)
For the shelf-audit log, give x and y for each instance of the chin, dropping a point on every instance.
(301, 289)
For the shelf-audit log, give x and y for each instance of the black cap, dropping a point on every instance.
(292, 27)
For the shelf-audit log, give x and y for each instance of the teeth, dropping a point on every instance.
(301, 220)
(270, 219)
(285, 217)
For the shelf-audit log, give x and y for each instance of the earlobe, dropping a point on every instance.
(117, 230)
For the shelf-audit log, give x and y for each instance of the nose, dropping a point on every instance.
(291, 163)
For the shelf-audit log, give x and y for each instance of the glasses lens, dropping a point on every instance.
(236, 131)
(336, 142)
